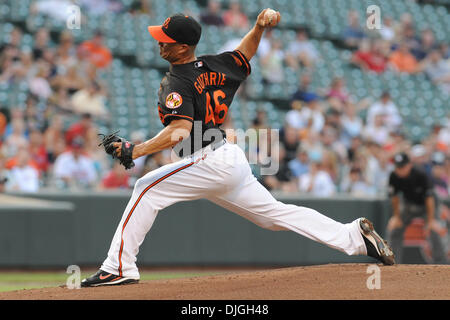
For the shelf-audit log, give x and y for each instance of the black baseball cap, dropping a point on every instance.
(401, 159)
(178, 28)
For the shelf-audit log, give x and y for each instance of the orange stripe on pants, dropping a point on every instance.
(136, 203)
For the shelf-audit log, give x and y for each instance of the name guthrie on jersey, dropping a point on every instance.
(209, 79)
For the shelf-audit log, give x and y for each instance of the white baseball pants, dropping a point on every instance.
(224, 177)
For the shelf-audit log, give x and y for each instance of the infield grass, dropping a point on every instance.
(10, 281)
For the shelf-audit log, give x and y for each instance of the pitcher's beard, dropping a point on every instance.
(165, 55)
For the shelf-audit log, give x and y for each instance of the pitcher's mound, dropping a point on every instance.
(333, 281)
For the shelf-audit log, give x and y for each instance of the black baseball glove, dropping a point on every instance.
(126, 150)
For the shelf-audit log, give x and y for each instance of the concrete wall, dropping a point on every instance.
(188, 233)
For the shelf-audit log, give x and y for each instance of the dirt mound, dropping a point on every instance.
(333, 281)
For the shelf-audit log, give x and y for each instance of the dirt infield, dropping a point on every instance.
(333, 281)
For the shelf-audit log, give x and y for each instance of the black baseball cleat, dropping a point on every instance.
(103, 278)
(376, 246)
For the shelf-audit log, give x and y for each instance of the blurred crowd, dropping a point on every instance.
(52, 139)
(329, 143)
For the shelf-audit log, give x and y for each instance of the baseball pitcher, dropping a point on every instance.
(194, 98)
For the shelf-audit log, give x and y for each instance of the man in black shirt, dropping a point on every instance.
(418, 201)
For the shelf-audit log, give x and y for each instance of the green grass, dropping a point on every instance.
(10, 281)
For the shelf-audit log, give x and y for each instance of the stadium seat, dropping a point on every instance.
(416, 248)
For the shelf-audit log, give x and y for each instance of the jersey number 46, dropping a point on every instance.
(217, 113)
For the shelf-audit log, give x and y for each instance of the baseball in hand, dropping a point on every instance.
(270, 15)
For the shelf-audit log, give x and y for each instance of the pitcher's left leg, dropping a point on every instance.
(255, 203)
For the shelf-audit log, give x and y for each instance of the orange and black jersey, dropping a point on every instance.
(201, 92)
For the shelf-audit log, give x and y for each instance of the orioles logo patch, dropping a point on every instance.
(173, 100)
(166, 23)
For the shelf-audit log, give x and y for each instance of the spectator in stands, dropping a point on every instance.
(334, 150)
(377, 132)
(310, 112)
(95, 51)
(54, 137)
(212, 15)
(17, 139)
(260, 126)
(260, 120)
(48, 60)
(37, 151)
(60, 101)
(23, 177)
(39, 85)
(370, 56)
(35, 119)
(397, 142)
(8, 58)
(355, 145)
(116, 178)
(378, 168)
(101, 160)
(70, 81)
(337, 95)
(141, 7)
(438, 70)
(304, 93)
(41, 42)
(300, 164)
(66, 54)
(443, 136)
(282, 180)
(24, 68)
(406, 21)
(387, 107)
(272, 64)
(420, 157)
(290, 141)
(402, 60)
(427, 44)
(13, 44)
(235, 18)
(438, 175)
(387, 31)
(90, 100)
(445, 50)
(351, 124)
(301, 51)
(74, 169)
(410, 38)
(353, 33)
(317, 182)
(355, 185)
(80, 128)
(56, 9)
(264, 45)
